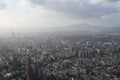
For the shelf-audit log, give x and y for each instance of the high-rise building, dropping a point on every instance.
(30, 73)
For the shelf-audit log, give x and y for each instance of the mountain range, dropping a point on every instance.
(92, 28)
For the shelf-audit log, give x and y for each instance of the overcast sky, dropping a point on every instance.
(24, 14)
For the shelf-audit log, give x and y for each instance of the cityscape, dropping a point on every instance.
(59, 39)
(94, 56)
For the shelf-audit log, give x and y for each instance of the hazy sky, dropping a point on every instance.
(24, 14)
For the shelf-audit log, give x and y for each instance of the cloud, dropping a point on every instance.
(100, 1)
(2, 4)
(111, 0)
(78, 8)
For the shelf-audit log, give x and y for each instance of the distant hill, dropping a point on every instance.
(80, 27)
(92, 28)
(111, 30)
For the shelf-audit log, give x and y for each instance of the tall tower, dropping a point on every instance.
(30, 73)
(13, 35)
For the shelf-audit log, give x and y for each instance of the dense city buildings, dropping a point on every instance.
(60, 56)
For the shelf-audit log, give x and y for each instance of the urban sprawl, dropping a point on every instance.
(60, 56)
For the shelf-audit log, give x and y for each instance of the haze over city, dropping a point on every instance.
(59, 39)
